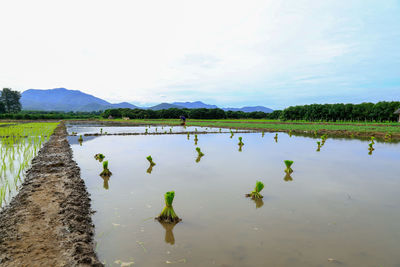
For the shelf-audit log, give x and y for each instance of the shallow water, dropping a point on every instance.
(340, 208)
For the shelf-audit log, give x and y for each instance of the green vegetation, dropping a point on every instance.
(168, 214)
(240, 141)
(200, 154)
(20, 143)
(80, 139)
(255, 194)
(319, 146)
(150, 159)
(99, 157)
(288, 164)
(106, 172)
(195, 139)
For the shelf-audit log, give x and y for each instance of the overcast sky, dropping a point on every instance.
(274, 53)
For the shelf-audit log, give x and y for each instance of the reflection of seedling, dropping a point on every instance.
(388, 137)
(188, 136)
(105, 182)
(169, 234)
(195, 129)
(290, 133)
(240, 148)
(99, 157)
(323, 138)
(146, 132)
(263, 133)
(168, 214)
(231, 134)
(220, 130)
(256, 193)
(149, 169)
(287, 178)
(101, 130)
(106, 172)
(240, 142)
(156, 129)
(195, 139)
(80, 139)
(288, 164)
(276, 138)
(150, 159)
(170, 130)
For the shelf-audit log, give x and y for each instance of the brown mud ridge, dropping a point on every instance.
(48, 223)
(184, 133)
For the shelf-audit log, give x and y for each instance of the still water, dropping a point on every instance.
(340, 207)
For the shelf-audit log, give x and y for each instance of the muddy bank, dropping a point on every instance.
(48, 223)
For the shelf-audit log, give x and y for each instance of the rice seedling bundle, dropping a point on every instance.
(288, 164)
(255, 194)
(168, 214)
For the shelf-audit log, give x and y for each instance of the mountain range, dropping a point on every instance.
(61, 99)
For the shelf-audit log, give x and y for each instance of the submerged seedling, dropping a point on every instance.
(255, 194)
(168, 214)
(288, 164)
(106, 172)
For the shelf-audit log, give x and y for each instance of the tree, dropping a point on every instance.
(10, 100)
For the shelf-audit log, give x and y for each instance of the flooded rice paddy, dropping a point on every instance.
(338, 208)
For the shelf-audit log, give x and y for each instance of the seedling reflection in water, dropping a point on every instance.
(287, 178)
(276, 138)
(290, 133)
(255, 194)
(168, 214)
(106, 172)
(188, 136)
(169, 234)
(288, 164)
(195, 139)
(263, 133)
(80, 139)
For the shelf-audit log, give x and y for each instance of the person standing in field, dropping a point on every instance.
(183, 120)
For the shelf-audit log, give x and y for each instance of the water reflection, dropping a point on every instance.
(240, 147)
(287, 178)
(150, 169)
(259, 202)
(169, 234)
(105, 181)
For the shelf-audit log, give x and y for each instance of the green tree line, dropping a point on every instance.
(379, 112)
(174, 113)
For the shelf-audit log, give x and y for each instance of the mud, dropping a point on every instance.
(48, 223)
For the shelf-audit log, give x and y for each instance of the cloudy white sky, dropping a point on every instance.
(230, 53)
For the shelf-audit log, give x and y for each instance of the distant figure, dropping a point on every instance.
(183, 120)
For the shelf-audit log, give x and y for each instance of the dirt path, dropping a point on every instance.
(49, 222)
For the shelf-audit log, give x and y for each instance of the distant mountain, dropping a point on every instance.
(196, 104)
(250, 109)
(61, 99)
(164, 106)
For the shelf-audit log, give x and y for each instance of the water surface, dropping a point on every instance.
(339, 207)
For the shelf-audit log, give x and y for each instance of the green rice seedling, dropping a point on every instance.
(188, 136)
(231, 134)
(170, 130)
(150, 159)
(255, 194)
(315, 132)
(200, 154)
(195, 129)
(371, 146)
(146, 132)
(168, 214)
(195, 139)
(240, 141)
(237, 130)
(99, 157)
(156, 129)
(106, 172)
(290, 133)
(288, 164)
(262, 134)
(276, 138)
(220, 130)
(319, 146)
(101, 130)
(372, 140)
(80, 139)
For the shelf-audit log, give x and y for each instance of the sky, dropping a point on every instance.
(275, 53)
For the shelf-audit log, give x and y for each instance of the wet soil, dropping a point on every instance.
(48, 223)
